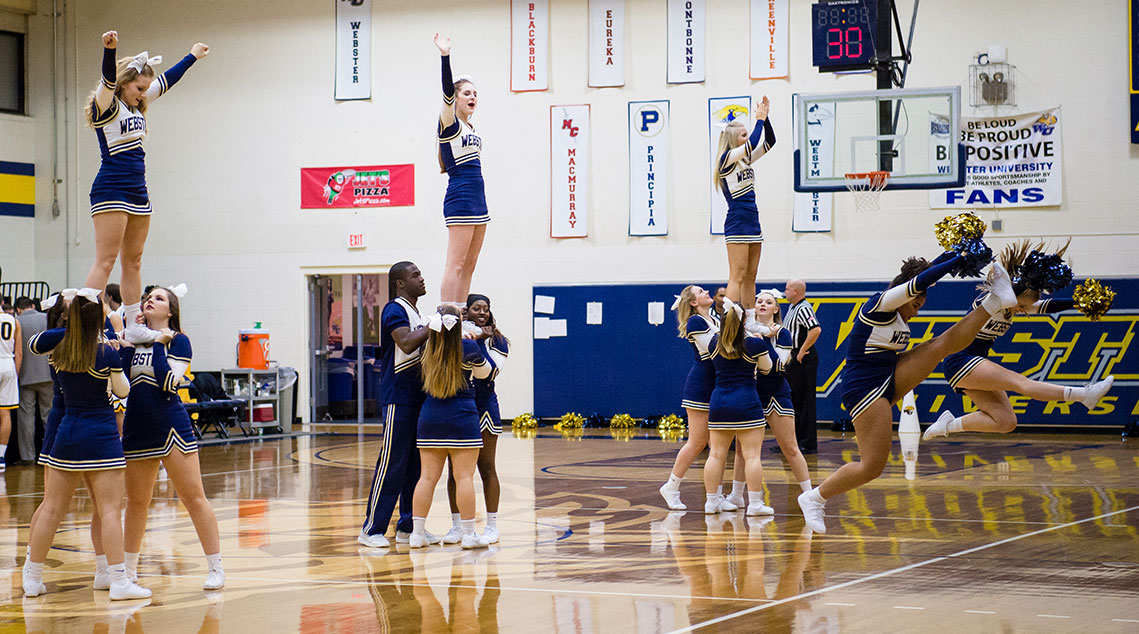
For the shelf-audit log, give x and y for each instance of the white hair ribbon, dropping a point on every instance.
(49, 302)
(69, 294)
(439, 321)
(734, 307)
(676, 304)
(143, 60)
(774, 292)
(180, 290)
(462, 78)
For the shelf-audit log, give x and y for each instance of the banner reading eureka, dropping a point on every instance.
(355, 187)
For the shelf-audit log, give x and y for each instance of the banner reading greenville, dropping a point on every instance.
(1010, 161)
(353, 187)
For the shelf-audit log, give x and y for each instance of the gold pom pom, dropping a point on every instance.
(672, 422)
(622, 434)
(952, 230)
(622, 420)
(525, 421)
(570, 420)
(1093, 299)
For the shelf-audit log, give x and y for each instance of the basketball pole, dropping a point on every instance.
(883, 52)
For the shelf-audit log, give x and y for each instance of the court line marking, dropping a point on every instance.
(1053, 616)
(845, 605)
(895, 571)
(1126, 620)
(907, 607)
(979, 612)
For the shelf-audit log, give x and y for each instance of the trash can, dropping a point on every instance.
(286, 395)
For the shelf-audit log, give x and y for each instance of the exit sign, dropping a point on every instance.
(357, 241)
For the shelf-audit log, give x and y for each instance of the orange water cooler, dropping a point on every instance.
(253, 349)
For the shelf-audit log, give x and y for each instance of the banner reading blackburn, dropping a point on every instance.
(354, 187)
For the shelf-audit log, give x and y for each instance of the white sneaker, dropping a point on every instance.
(813, 512)
(373, 541)
(215, 580)
(415, 540)
(128, 590)
(102, 581)
(1000, 284)
(454, 535)
(759, 508)
(672, 498)
(474, 540)
(490, 535)
(719, 504)
(1096, 392)
(737, 500)
(34, 588)
(940, 429)
(403, 538)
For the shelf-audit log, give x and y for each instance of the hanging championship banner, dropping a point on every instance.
(569, 171)
(1010, 161)
(769, 28)
(353, 49)
(813, 209)
(529, 45)
(721, 110)
(686, 41)
(360, 186)
(606, 43)
(648, 168)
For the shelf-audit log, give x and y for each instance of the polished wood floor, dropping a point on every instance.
(997, 534)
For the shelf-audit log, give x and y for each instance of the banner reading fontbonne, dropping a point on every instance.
(687, 37)
(353, 49)
(606, 43)
(569, 171)
(354, 187)
(648, 168)
(813, 209)
(529, 45)
(769, 27)
(1010, 161)
(720, 111)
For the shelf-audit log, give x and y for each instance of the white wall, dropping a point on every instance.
(226, 146)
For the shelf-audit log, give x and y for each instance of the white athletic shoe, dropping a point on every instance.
(719, 504)
(373, 541)
(34, 588)
(415, 540)
(1095, 391)
(453, 536)
(215, 580)
(102, 581)
(1000, 284)
(474, 540)
(759, 508)
(128, 590)
(940, 429)
(813, 512)
(403, 538)
(672, 498)
(490, 535)
(737, 500)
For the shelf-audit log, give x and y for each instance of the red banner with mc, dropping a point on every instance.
(354, 187)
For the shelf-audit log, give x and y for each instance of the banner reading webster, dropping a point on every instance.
(569, 171)
(1010, 161)
(606, 43)
(648, 168)
(353, 49)
(529, 45)
(354, 187)
(813, 209)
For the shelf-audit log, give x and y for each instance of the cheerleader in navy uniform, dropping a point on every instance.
(495, 346)
(120, 204)
(735, 410)
(879, 370)
(464, 207)
(735, 176)
(984, 381)
(11, 356)
(449, 422)
(157, 428)
(85, 442)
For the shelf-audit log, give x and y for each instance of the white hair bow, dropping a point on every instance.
(734, 307)
(49, 302)
(143, 60)
(676, 304)
(439, 321)
(774, 292)
(462, 78)
(69, 294)
(180, 290)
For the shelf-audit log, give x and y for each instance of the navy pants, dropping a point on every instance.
(397, 471)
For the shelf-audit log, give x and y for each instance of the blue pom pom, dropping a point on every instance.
(975, 256)
(1043, 272)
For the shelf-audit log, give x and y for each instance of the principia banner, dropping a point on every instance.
(569, 171)
(648, 168)
(355, 187)
(1010, 161)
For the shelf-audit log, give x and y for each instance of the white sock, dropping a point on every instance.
(33, 570)
(3, 448)
(738, 488)
(992, 304)
(213, 562)
(673, 482)
(1070, 394)
(118, 574)
(28, 553)
(815, 496)
(418, 525)
(100, 564)
(130, 560)
(720, 490)
(805, 485)
(491, 519)
(754, 497)
(468, 527)
(455, 520)
(955, 426)
(712, 497)
(130, 312)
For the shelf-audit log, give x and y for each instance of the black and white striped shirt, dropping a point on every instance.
(801, 319)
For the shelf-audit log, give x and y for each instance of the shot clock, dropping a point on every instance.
(842, 34)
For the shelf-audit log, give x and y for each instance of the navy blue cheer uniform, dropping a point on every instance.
(735, 404)
(87, 438)
(460, 150)
(120, 184)
(772, 387)
(958, 365)
(156, 421)
(737, 183)
(486, 400)
(43, 343)
(879, 335)
(453, 422)
(702, 377)
(401, 396)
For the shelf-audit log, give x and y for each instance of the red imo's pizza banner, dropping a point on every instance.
(353, 187)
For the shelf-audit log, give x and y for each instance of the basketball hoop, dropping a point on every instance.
(866, 187)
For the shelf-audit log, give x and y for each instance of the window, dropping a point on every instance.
(11, 72)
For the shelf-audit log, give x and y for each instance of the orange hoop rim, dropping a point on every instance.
(875, 179)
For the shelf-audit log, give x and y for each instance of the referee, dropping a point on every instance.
(803, 369)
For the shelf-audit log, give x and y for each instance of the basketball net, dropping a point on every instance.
(867, 187)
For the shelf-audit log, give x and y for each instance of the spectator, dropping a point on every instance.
(718, 306)
(114, 298)
(803, 368)
(35, 380)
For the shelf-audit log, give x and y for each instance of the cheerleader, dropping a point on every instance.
(984, 381)
(774, 390)
(158, 429)
(85, 442)
(464, 207)
(735, 177)
(120, 204)
(735, 410)
(480, 322)
(449, 422)
(11, 357)
(879, 370)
